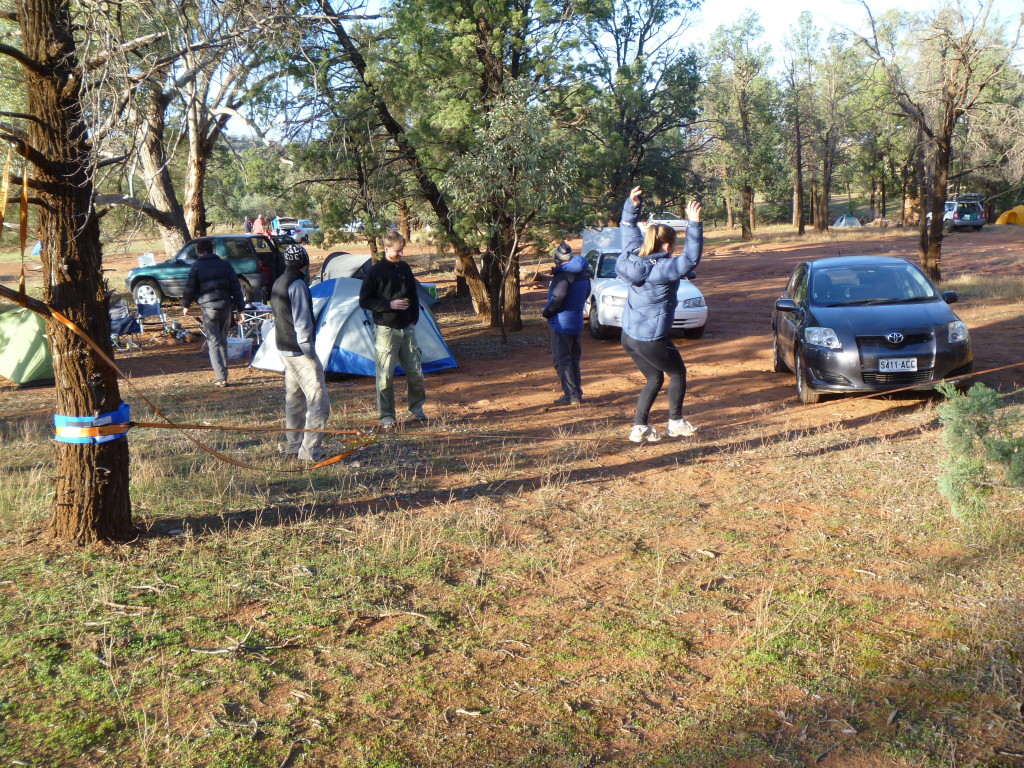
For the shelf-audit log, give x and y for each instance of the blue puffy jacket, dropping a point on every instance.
(654, 280)
(568, 292)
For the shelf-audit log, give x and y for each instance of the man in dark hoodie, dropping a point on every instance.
(390, 292)
(306, 405)
(567, 294)
(213, 285)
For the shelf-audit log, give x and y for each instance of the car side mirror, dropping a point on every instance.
(950, 297)
(692, 274)
(785, 305)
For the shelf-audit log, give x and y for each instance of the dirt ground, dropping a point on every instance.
(733, 397)
(729, 370)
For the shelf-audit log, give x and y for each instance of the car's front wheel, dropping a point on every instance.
(803, 389)
(597, 329)
(778, 364)
(694, 333)
(147, 292)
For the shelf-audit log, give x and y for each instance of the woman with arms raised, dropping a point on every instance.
(650, 267)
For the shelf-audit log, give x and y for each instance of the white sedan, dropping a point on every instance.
(668, 219)
(608, 300)
(303, 230)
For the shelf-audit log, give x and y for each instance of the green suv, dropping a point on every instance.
(255, 258)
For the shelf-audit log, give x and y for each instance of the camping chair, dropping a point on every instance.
(151, 310)
(123, 323)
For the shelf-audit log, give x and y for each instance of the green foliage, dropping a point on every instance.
(521, 165)
(986, 448)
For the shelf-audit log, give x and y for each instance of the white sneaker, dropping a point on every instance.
(641, 433)
(679, 428)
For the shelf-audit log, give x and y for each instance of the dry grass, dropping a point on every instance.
(445, 599)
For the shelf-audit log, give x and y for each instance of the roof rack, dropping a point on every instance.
(969, 197)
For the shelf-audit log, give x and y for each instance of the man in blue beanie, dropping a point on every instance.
(567, 294)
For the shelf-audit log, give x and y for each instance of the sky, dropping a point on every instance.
(777, 16)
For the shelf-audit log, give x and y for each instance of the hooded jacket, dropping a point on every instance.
(653, 281)
(567, 295)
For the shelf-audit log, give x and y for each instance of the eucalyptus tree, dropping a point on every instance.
(741, 100)
(988, 146)
(521, 166)
(643, 87)
(940, 67)
(61, 62)
(433, 73)
(213, 57)
(798, 79)
(838, 79)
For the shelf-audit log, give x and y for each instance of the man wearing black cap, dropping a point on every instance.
(568, 292)
(306, 405)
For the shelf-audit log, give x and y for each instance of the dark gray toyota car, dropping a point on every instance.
(866, 324)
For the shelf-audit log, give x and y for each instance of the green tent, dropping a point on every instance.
(24, 354)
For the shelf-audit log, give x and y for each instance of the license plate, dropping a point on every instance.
(897, 364)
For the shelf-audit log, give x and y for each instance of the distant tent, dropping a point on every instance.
(1012, 216)
(847, 220)
(344, 334)
(344, 264)
(24, 353)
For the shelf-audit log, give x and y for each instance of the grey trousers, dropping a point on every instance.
(398, 346)
(216, 326)
(566, 351)
(306, 405)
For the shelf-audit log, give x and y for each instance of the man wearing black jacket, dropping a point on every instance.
(389, 291)
(306, 403)
(213, 284)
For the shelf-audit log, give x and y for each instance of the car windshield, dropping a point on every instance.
(870, 284)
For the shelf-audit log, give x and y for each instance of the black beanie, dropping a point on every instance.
(563, 252)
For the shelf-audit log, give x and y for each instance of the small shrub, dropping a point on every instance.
(986, 449)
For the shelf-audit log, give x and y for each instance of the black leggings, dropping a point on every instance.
(655, 359)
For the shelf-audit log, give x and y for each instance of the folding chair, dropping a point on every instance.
(123, 323)
(151, 310)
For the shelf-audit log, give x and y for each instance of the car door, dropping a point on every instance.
(788, 324)
(240, 254)
(175, 271)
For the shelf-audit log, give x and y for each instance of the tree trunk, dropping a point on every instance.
(174, 230)
(798, 168)
(91, 500)
(822, 219)
(403, 219)
(747, 212)
(195, 198)
(941, 153)
(512, 312)
(814, 203)
(924, 199)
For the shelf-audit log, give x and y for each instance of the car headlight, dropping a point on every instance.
(693, 303)
(613, 301)
(822, 337)
(958, 331)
